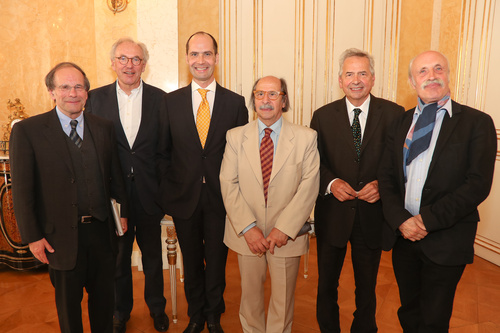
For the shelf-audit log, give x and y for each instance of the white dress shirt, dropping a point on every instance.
(197, 97)
(130, 107)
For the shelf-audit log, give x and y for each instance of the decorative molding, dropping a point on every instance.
(474, 52)
(487, 249)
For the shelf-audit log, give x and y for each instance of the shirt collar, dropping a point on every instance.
(134, 91)
(364, 107)
(64, 119)
(211, 87)
(444, 103)
(276, 127)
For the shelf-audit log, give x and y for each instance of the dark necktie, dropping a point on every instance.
(419, 139)
(356, 131)
(73, 135)
(266, 159)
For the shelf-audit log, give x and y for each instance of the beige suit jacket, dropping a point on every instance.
(293, 186)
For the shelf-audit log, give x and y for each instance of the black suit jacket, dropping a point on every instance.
(183, 163)
(458, 180)
(334, 219)
(141, 157)
(44, 187)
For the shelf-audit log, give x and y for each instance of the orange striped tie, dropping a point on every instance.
(266, 159)
(203, 117)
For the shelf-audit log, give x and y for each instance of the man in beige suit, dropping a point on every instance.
(269, 181)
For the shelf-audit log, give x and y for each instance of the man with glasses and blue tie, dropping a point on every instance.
(269, 181)
(437, 168)
(134, 107)
(65, 168)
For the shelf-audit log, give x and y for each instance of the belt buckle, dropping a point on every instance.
(86, 219)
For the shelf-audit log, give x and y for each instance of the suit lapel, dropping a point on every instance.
(447, 128)
(185, 112)
(110, 107)
(372, 121)
(97, 136)
(343, 125)
(399, 140)
(56, 136)
(217, 112)
(283, 149)
(251, 149)
(146, 113)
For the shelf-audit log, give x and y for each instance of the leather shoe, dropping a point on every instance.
(215, 328)
(161, 322)
(119, 326)
(194, 328)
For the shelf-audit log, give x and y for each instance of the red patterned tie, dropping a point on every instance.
(266, 159)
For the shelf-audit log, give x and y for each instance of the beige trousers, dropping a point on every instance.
(283, 272)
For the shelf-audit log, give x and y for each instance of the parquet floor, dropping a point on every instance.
(27, 300)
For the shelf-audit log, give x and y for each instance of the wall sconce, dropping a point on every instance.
(117, 6)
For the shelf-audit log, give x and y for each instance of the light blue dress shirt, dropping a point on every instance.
(418, 168)
(64, 119)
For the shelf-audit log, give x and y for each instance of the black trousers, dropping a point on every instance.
(201, 239)
(146, 229)
(426, 289)
(365, 262)
(94, 271)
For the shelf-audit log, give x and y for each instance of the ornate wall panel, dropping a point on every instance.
(478, 82)
(301, 41)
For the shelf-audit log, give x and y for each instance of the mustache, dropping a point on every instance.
(266, 106)
(438, 81)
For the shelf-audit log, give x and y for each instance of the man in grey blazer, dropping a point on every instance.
(134, 107)
(348, 208)
(65, 169)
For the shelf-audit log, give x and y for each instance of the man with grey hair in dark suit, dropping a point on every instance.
(135, 107)
(351, 137)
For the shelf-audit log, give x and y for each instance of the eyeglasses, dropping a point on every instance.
(272, 95)
(136, 61)
(67, 88)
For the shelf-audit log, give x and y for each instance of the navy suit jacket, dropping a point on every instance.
(458, 180)
(182, 162)
(334, 219)
(141, 156)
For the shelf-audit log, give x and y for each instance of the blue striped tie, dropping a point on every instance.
(73, 135)
(422, 133)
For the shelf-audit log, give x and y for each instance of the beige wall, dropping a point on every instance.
(417, 22)
(35, 36)
(196, 16)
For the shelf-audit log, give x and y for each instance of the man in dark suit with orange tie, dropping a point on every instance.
(437, 168)
(65, 169)
(134, 107)
(351, 137)
(192, 141)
